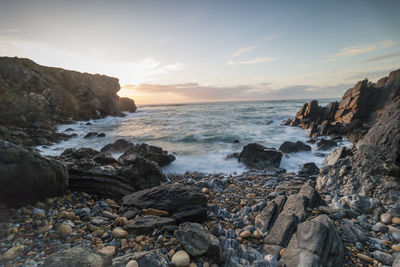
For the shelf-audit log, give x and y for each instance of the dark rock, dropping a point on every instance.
(175, 198)
(325, 144)
(316, 243)
(236, 141)
(101, 135)
(91, 134)
(282, 230)
(77, 256)
(257, 156)
(337, 154)
(127, 104)
(121, 145)
(153, 258)
(309, 169)
(27, 177)
(153, 153)
(267, 217)
(234, 155)
(146, 224)
(197, 241)
(290, 147)
(4, 215)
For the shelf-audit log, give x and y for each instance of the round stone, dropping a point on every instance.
(132, 263)
(386, 218)
(396, 248)
(65, 230)
(180, 259)
(192, 264)
(121, 221)
(245, 234)
(109, 251)
(119, 233)
(204, 190)
(257, 234)
(396, 220)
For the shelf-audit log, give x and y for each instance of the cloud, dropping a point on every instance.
(361, 49)
(252, 61)
(382, 57)
(242, 51)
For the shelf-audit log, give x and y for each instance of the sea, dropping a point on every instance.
(201, 135)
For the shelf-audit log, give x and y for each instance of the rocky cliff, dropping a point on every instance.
(34, 98)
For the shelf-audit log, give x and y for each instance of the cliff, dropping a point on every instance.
(34, 98)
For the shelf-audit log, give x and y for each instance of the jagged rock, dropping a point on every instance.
(153, 153)
(121, 145)
(177, 199)
(316, 243)
(290, 147)
(325, 144)
(94, 172)
(282, 230)
(197, 241)
(257, 156)
(27, 177)
(267, 216)
(126, 104)
(309, 169)
(337, 154)
(146, 224)
(77, 256)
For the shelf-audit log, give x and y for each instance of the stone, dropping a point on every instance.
(197, 241)
(108, 251)
(152, 153)
(282, 230)
(396, 248)
(12, 253)
(365, 258)
(180, 259)
(309, 169)
(245, 234)
(77, 256)
(146, 224)
(337, 154)
(152, 258)
(26, 173)
(156, 212)
(184, 203)
(127, 104)
(121, 221)
(386, 218)
(132, 263)
(383, 257)
(118, 232)
(257, 156)
(257, 234)
(65, 230)
(291, 147)
(44, 229)
(396, 220)
(396, 262)
(325, 144)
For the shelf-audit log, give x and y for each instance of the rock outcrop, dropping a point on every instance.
(259, 157)
(127, 104)
(27, 177)
(34, 98)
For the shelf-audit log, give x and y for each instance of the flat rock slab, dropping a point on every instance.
(77, 256)
(147, 224)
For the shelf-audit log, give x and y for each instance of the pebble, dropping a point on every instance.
(110, 215)
(65, 230)
(245, 234)
(396, 220)
(109, 251)
(383, 257)
(119, 233)
(38, 213)
(365, 257)
(44, 229)
(67, 215)
(132, 263)
(396, 248)
(386, 218)
(121, 221)
(12, 253)
(257, 234)
(204, 190)
(180, 259)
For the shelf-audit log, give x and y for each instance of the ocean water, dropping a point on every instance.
(201, 135)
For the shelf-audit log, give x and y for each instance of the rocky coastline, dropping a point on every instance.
(86, 208)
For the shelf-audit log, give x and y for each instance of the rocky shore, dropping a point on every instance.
(86, 208)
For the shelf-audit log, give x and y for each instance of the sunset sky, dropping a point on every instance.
(193, 51)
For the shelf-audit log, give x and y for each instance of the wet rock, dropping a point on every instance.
(126, 104)
(386, 218)
(185, 203)
(121, 145)
(180, 259)
(153, 153)
(257, 156)
(383, 257)
(152, 258)
(309, 169)
(325, 144)
(147, 224)
(26, 173)
(77, 256)
(337, 154)
(291, 147)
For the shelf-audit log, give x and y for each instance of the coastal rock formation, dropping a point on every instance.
(27, 177)
(127, 104)
(291, 147)
(184, 203)
(34, 98)
(96, 172)
(257, 156)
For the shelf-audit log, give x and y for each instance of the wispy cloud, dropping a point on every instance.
(242, 51)
(253, 61)
(360, 49)
(382, 57)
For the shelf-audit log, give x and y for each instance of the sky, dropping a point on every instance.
(173, 51)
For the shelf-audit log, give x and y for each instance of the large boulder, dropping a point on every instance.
(92, 171)
(119, 146)
(127, 104)
(309, 169)
(257, 156)
(290, 147)
(77, 256)
(27, 177)
(153, 153)
(184, 203)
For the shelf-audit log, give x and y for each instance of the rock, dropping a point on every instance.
(121, 221)
(65, 230)
(26, 173)
(291, 147)
(118, 232)
(396, 248)
(38, 213)
(245, 234)
(325, 144)
(180, 259)
(197, 241)
(257, 234)
(184, 203)
(156, 212)
(152, 258)
(152, 153)
(337, 154)
(365, 258)
(108, 251)
(91, 134)
(4, 215)
(77, 256)
(257, 156)
(383, 257)
(147, 224)
(121, 145)
(132, 263)
(316, 242)
(282, 230)
(396, 220)
(12, 253)
(386, 218)
(309, 169)
(126, 104)
(95, 172)
(266, 218)
(234, 155)
(396, 262)
(44, 229)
